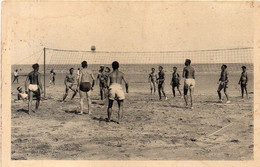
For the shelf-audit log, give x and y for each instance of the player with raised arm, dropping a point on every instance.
(34, 88)
(175, 81)
(160, 81)
(189, 82)
(116, 91)
(223, 83)
(152, 81)
(243, 81)
(69, 82)
(84, 86)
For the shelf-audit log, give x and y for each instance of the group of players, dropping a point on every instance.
(110, 84)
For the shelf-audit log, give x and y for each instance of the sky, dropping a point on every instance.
(126, 26)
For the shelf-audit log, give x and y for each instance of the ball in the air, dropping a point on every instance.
(93, 48)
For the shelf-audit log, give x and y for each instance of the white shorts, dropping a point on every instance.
(189, 83)
(24, 95)
(33, 87)
(116, 92)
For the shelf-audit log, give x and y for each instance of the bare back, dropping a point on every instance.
(85, 75)
(116, 77)
(188, 72)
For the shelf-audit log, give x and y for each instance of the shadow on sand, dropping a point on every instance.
(23, 110)
(103, 119)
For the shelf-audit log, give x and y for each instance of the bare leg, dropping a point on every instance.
(226, 94)
(109, 109)
(101, 93)
(89, 103)
(151, 87)
(173, 91)
(30, 101)
(163, 92)
(74, 94)
(120, 110)
(246, 92)
(159, 91)
(185, 90)
(66, 94)
(191, 97)
(82, 96)
(178, 87)
(154, 87)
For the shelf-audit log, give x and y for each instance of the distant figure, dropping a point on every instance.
(35, 87)
(189, 82)
(116, 91)
(152, 81)
(78, 73)
(243, 81)
(52, 77)
(16, 76)
(160, 81)
(102, 79)
(175, 81)
(84, 86)
(21, 95)
(223, 83)
(69, 82)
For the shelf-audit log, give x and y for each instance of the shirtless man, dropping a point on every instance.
(116, 91)
(102, 78)
(35, 87)
(223, 83)
(189, 82)
(52, 77)
(243, 81)
(69, 83)
(161, 83)
(175, 81)
(84, 86)
(152, 81)
(16, 76)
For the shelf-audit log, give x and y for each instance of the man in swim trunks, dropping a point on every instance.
(189, 82)
(175, 81)
(223, 83)
(102, 78)
(243, 81)
(116, 91)
(52, 77)
(152, 81)
(35, 87)
(16, 76)
(21, 95)
(69, 83)
(84, 86)
(160, 81)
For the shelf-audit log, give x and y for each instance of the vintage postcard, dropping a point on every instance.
(159, 83)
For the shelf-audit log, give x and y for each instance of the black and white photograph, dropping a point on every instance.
(131, 81)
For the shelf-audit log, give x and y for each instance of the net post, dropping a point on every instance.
(44, 65)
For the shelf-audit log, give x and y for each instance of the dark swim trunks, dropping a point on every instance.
(85, 86)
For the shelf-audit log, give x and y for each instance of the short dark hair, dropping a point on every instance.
(115, 65)
(153, 68)
(161, 67)
(187, 62)
(84, 64)
(243, 67)
(71, 69)
(175, 67)
(224, 65)
(35, 66)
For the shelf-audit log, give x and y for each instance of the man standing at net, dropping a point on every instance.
(116, 91)
(69, 83)
(152, 81)
(102, 78)
(189, 82)
(84, 86)
(161, 83)
(223, 83)
(52, 77)
(35, 87)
